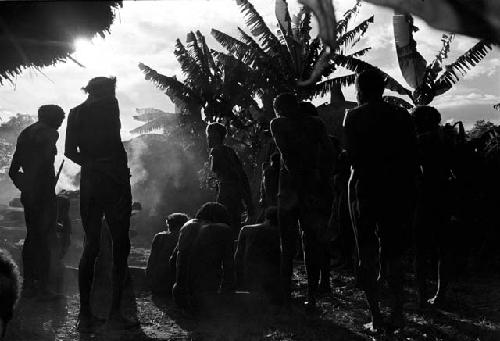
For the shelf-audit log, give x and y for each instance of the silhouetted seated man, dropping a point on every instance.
(381, 145)
(232, 181)
(158, 271)
(32, 171)
(305, 195)
(204, 258)
(257, 257)
(433, 211)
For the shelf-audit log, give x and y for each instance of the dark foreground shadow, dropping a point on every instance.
(246, 317)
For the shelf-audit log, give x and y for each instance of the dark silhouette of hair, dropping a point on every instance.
(286, 104)
(101, 86)
(426, 117)
(50, 114)
(371, 84)
(176, 220)
(9, 287)
(308, 109)
(271, 214)
(216, 128)
(213, 212)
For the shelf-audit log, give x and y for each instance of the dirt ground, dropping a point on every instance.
(472, 314)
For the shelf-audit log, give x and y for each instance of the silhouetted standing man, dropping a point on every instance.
(381, 144)
(93, 141)
(305, 195)
(35, 153)
(232, 181)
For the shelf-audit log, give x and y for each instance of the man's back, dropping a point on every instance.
(380, 140)
(205, 258)
(158, 268)
(225, 163)
(94, 128)
(258, 254)
(35, 153)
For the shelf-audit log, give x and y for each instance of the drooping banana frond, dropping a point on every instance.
(351, 37)
(497, 106)
(301, 25)
(283, 17)
(194, 73)
(325, 87)
(255, 52)
(206, 51)
(259, 28)
(460, 67)
(359, 53)
(178, 93)
(348, 15)
(232, 45)
(398, 101)
(196, 52)
(357, 65)
(162, 123)
(149, 114)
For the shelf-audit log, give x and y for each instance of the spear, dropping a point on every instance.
(59, 171)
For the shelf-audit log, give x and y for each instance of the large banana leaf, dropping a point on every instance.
(460, 67)
(476, 18)
(359, 66)
(411, 63)
(259, 28)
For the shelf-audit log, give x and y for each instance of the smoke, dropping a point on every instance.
(164, 177)
(69, 178)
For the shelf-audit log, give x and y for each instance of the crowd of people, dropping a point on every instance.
(372, 194)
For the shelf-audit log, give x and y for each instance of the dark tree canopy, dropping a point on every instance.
(38, 34)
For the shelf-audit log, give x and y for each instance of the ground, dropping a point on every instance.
(472, 314)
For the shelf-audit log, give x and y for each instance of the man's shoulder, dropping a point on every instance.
(279, 122)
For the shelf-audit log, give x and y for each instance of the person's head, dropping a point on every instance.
(271, 215)
(308, 109)
(175, 221)
(216, 133)
(275, 159)
(213, 212)
(100, 87)
(52, 115)
(370, 86)
(286, 105)
(10, 285)
(426, 118)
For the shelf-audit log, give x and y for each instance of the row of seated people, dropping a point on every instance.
(196, 258)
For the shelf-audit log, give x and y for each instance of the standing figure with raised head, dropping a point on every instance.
(233, 187)
(158, 271)
(93, 141)
(35, 154)
(204, 259)
(381, 146)
(305, 195)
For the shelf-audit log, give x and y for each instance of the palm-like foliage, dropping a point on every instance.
(429, 80)
(282, 62)
(213, 82)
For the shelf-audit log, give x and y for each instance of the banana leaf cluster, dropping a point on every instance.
(292, 60)
(429, 80)
(34, 34)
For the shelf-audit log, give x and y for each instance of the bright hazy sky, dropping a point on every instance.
(145, 32)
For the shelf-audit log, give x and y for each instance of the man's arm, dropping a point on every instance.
(351, 143)
(71, 146)
(16, 163)
(239, 258)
